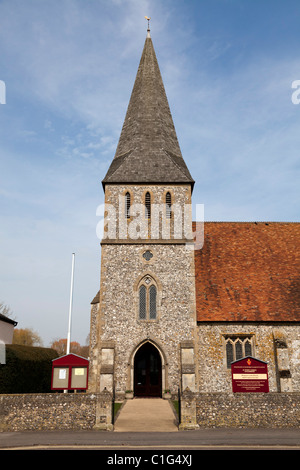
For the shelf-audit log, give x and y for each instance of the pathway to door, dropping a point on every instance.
(146, 415)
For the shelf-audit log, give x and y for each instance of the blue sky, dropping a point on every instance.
(69, 68)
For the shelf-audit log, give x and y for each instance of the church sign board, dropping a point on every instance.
(70, 372)
(249, 375)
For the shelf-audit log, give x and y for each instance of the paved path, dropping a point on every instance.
(146, 415)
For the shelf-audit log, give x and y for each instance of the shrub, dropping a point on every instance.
(27, 369)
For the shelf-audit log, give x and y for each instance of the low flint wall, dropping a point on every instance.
(57, 411)
(248, 410)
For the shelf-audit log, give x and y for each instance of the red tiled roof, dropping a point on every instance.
(248, 271)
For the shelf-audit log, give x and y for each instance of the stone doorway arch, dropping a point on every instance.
(148, 367)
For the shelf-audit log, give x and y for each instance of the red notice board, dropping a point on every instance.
(70, 372)
(249, 375)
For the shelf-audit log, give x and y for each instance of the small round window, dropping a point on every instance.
(147, 255)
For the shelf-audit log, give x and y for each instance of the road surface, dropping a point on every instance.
(201, 439)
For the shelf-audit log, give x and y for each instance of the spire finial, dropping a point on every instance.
(148, 30)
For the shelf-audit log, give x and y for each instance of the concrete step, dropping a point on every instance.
(146, 415)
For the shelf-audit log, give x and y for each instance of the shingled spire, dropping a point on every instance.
(148, 150)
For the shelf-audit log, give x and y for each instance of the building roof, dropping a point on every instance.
(148, 150)
(70, 359)
(96, 299)
(248, 272)
(7, 320)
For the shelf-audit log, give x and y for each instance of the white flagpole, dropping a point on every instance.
(71, 302)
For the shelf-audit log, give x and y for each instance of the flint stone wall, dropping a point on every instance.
(277, 344)
(59, 411)
(120, 314)
(47, 412)
(116, 320)
(248, 410)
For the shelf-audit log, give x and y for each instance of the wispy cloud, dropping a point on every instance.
(69, 69)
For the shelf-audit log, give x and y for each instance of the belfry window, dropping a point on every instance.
(147, 299)
(147, 205)
(168, 205)
(237, 347)
(127, 205)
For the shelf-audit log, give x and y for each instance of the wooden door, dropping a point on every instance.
(147, 372)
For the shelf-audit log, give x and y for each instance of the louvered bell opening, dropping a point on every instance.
(142, 303)
(152, 303)
(147, 206)
(127, 206)
(168, 205)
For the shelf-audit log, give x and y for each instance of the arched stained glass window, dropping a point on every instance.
(147, 299)
(238, 347)
(238, 350)
(142, 302)
(248, 348)
(229, 354)
(152, 302)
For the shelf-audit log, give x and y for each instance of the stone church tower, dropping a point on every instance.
(143, 319)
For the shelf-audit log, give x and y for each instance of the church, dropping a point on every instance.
(179, 301)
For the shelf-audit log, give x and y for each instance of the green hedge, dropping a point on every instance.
(27, 369)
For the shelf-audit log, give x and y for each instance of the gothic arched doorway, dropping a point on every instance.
(147, 372)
